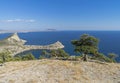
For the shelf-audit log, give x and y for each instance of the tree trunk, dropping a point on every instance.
(3, 58)
(85, 58)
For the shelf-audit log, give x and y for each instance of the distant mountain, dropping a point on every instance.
(51, 30)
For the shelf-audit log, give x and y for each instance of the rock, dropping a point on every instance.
(14, 38)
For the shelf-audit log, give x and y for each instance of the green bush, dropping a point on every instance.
(28, 57)
(102, 57)
(59, 53)
(5, 57)
(17, 58)
(42, 57)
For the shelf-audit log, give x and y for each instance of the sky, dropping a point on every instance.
(60, 14)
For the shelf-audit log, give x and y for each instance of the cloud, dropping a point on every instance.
(17, 20)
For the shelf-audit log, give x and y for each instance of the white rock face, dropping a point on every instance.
(14, 38)
(58, 45)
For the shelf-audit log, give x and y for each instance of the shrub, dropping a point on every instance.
(59, 53)
(28, 57)
(102, 57)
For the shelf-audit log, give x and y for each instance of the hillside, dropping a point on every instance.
(56, 71)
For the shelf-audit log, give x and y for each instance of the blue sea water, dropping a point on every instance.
(109, 41)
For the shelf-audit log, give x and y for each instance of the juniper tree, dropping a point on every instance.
(86, 45)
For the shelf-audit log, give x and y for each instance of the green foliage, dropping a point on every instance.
(86, 44)
(102, 57)
(112, 56)
(5, 57)
(18, 58)
(58, 53)
(28, 57)
(53, 53)
(42, 57)
(45, 54)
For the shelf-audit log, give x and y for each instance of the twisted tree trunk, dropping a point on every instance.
(85, 58)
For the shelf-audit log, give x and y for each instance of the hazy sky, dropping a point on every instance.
(60, 14)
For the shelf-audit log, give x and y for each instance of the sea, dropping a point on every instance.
(109, 41)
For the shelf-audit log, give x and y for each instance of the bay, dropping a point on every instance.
(109, 41)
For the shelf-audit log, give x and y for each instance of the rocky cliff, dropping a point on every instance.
(14, 39)
(15, 45)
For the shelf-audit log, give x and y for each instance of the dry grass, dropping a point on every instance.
(32, 81)
(56, 71)
(11, 81)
